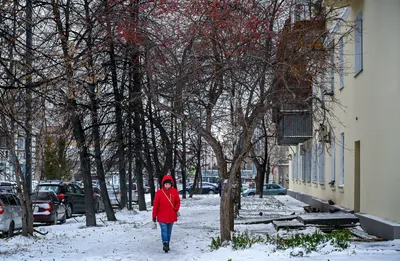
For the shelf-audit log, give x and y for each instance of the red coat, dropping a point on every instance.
(162, 208)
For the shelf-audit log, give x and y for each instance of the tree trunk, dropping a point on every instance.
(168, 150)
(174, 141)
(183, 161)
(157, 163)
(27, 185)
(23, 194)
(84, 158)
(118, 96)
(138, 140)
(225, 206)
(149, 165)
(198, 166)
(28, 100)
(72, 110)
(95, 124)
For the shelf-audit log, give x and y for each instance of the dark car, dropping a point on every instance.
(47, 207)
(207, 188)
(72, 194)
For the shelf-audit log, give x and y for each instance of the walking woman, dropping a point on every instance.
(166, 209)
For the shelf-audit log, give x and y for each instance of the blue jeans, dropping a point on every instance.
(166, 230)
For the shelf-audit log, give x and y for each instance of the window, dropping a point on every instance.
(78, 190)
(307, 165)
(321, 161)
(292, 174)
(71, 189)
(314, 162)
(4, 198)
(11, 200)
(300, 173)
(295, 166)
(341, 181)
(323, 89)
(21, 143)
(333, 153)
(332, 71)
(358, 43)
(3, 142)
(341, 64)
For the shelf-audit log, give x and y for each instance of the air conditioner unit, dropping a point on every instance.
(323, 134)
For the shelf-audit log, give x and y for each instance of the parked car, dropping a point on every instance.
(10, 187)
(135, 192)
(269, 189)
(72, 194)
(114, 194)
(47, 207)
(207, 188)
(10, 213)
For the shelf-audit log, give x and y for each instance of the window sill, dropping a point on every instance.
(358, 73)
(341, 188)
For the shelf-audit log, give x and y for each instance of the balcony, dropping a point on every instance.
(294, 127)
(301, 48)
(337, 3)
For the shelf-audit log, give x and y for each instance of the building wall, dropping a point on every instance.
(378, 101)
(367, 112)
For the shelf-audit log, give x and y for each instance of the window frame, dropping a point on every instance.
(341, 64)
(358, 44)
(342, 162)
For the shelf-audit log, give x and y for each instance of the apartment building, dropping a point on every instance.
(351, 156)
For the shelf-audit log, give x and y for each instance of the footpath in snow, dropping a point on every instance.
(131, 237)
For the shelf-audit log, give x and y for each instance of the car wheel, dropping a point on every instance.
(211, 192)
(68, 211)
(64, 219)
(11, 229)
(252, 194)
(281, 193)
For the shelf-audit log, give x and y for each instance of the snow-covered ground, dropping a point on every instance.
(131, 237)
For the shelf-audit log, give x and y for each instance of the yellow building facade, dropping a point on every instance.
(353, 161)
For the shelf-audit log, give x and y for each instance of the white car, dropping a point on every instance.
(10, 213)
(114, 193)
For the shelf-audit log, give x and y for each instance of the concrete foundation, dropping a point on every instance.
(371, 224)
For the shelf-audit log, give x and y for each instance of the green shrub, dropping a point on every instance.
(310, 242)
(244, 240)
(215, 243)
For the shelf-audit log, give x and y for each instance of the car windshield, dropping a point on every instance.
(54, 188)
